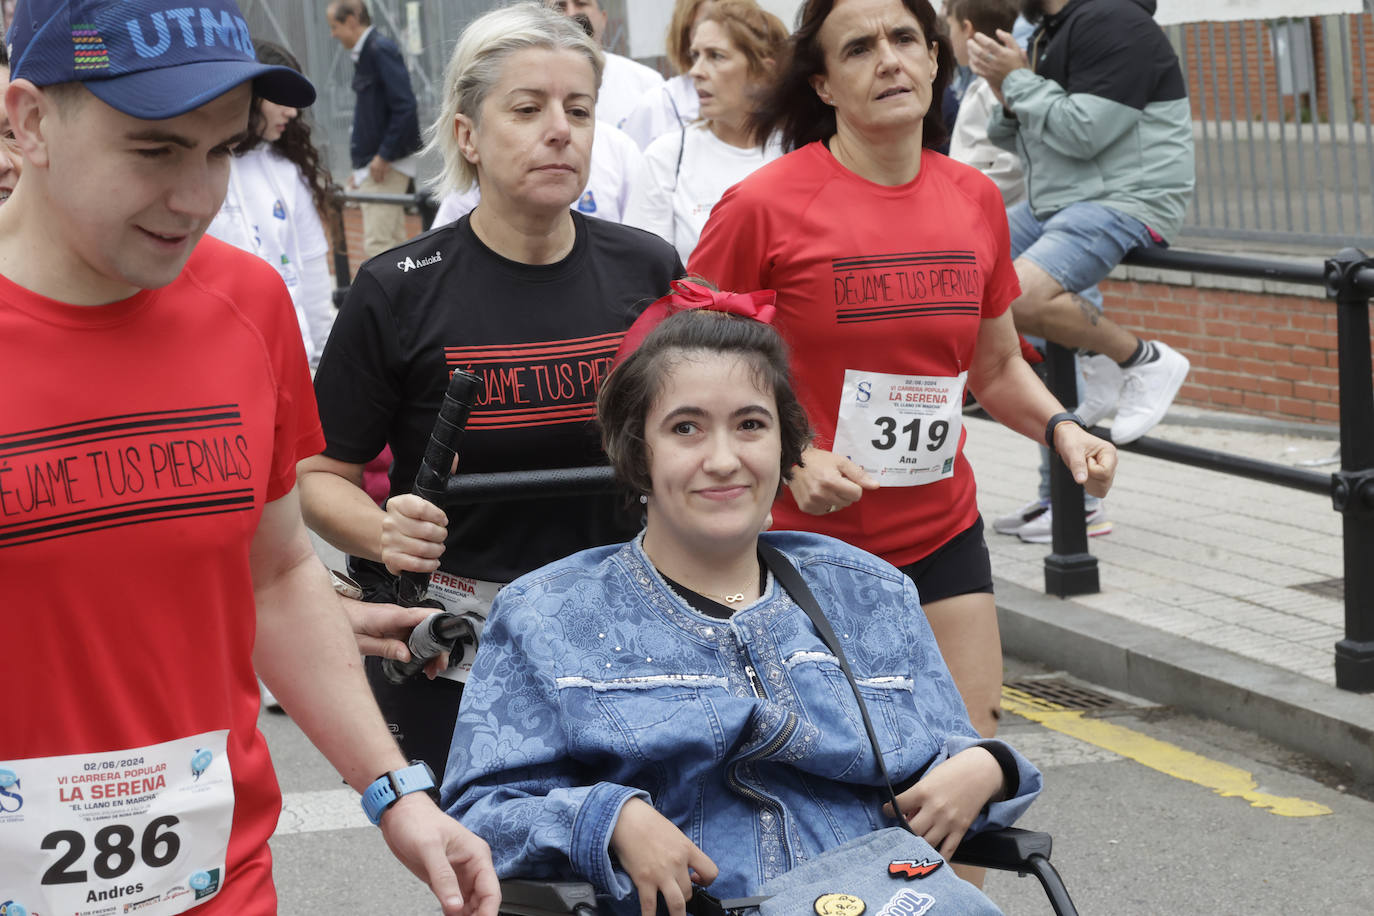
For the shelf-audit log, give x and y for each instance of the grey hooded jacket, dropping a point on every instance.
(1102, 115)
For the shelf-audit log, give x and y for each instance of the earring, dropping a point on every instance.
(644, 499)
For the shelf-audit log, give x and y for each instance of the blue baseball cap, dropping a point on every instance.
(152, 59)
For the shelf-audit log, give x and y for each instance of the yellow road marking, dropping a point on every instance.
(1221, 778)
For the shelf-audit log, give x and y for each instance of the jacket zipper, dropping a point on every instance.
(755, 682)
(772, 746)
(784, 735)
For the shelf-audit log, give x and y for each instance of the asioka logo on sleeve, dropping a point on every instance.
(408, 264)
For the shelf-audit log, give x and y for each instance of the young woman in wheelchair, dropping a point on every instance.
(661, 713)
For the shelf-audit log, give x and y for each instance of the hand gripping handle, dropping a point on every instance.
(436, 467)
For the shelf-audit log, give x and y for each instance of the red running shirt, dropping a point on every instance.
(875, 278)
(139, 442)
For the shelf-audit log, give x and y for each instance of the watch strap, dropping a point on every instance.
(1055, 420)
(345, 586)
(388, 788)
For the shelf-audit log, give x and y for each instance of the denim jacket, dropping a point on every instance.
(596, 683)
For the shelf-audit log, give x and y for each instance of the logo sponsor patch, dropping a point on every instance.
(200, 761)
(88, 48)
(204, 883)
(838, 905)
(913, 868)
(907, 902)
(409, 264)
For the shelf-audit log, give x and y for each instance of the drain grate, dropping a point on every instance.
(1066, 693)
(1326, 588)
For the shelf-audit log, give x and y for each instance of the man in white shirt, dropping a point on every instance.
(624, 81)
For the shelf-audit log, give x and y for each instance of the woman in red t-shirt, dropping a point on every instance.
(893, 270)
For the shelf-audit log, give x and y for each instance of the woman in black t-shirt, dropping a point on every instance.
(526, 293)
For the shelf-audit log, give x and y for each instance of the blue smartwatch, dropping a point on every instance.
(389, 787)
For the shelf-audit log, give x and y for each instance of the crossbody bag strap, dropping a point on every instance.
(791, 580)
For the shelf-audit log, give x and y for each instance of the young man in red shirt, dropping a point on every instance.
(156, 402)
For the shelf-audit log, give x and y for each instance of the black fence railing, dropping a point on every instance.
(1348, 279)
(425, 205)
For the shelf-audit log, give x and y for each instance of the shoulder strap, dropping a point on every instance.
(791, 580)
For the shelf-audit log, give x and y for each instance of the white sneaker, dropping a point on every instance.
(1147, 392)
(1102, 381)
(1040, 529)
(1011, 524)
(269, 702)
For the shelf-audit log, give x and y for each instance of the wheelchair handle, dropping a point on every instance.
(436, 464)
(438, 633)
(412, 588)
(508, 485)
(442, 631)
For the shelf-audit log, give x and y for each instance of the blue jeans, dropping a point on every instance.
(1077, 246)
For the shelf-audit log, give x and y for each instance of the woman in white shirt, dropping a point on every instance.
(278, 191)
(735, 48)
(672, 105)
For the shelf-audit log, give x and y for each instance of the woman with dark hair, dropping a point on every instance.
(280, 198)
(893, 270)
(660, 713)
(735, 48)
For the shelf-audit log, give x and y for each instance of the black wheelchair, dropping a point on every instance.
(1008, 849)
(1026, 852)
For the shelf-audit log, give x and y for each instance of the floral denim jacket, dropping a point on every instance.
(595, 683)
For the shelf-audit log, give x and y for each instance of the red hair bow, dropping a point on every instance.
(688, 294)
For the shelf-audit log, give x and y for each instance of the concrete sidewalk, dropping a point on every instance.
(1219, 594)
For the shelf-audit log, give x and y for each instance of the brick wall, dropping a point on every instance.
(1231, 71)
(353, 231)
(1252, 352)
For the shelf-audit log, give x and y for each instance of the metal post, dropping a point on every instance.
(1069, 569)
(1350, 280)
(343, 274)
(429, 208)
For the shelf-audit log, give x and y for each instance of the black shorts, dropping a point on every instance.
(960, 566)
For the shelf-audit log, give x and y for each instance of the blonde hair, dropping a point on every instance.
(476, 66)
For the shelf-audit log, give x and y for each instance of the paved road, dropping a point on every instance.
(1130, 838)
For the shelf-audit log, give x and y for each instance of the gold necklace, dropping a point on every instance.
(731, 598)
